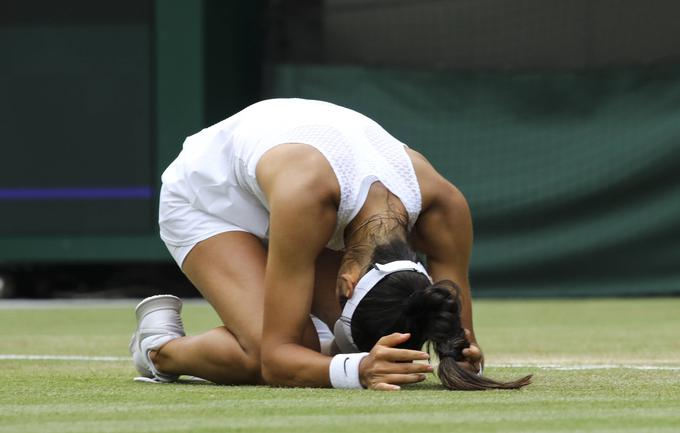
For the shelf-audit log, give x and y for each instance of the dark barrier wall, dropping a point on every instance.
(560, 122)
(97, 98)
(77, 118)
(476, 34)
(492, 34)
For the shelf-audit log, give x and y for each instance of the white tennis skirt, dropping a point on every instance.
(182, 225)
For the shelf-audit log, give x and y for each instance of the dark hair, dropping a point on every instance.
(405, 301)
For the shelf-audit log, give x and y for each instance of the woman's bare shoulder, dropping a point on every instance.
(298, 170)
(434, 188)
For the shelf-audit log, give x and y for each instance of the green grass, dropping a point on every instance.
(87, 396)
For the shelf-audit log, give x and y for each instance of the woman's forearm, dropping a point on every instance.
(294, 366)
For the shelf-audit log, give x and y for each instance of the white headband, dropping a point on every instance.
(343, 326)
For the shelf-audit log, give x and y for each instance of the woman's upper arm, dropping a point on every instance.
(444, 232)
(301, 224)
(444, 235)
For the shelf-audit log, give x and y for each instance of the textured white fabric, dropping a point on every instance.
(215, 172)
(326, 337)
(344, 370)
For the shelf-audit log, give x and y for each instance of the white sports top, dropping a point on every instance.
(215, 172)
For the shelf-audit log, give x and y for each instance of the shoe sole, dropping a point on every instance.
(157, 302)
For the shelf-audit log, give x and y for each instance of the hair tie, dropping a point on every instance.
(454, 355)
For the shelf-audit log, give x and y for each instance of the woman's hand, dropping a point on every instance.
(385, 367)
(473, 356)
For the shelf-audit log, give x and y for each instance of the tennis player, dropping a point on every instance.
(293, 208)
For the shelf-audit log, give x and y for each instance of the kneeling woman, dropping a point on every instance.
(291, 208)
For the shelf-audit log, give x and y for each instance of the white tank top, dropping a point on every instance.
(215, 171)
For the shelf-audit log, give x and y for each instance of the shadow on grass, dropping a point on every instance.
(196, 381)
(424, 387)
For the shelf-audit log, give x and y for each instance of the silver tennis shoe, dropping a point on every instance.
(158, 321)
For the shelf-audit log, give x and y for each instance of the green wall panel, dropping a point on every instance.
(162, 59)
(572, 178)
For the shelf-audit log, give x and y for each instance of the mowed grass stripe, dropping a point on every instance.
(621, 331)
(298, 415)
(380, 421)
(76, 396)
(565, 366)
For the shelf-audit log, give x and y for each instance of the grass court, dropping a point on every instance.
(601, 365)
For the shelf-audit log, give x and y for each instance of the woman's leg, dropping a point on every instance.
(228, 269)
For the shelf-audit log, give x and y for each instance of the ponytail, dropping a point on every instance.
(455, 377)
(407, 302)
(437, 308)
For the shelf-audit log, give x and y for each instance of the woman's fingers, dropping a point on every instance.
(402, 379)
(407, 368)
(473, 353)
(385, 387)
(391, 382)
(401, 355)
(384, 349)
(474, 358)
(393, 339)
(386, 367)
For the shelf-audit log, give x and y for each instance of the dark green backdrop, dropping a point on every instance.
(573, 178)
(99, 96)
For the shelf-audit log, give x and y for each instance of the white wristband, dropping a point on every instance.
(344, 370)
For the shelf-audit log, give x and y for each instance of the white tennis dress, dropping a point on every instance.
(211, 187)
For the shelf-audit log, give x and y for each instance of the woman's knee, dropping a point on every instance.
(250, 342)
(253, 368)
